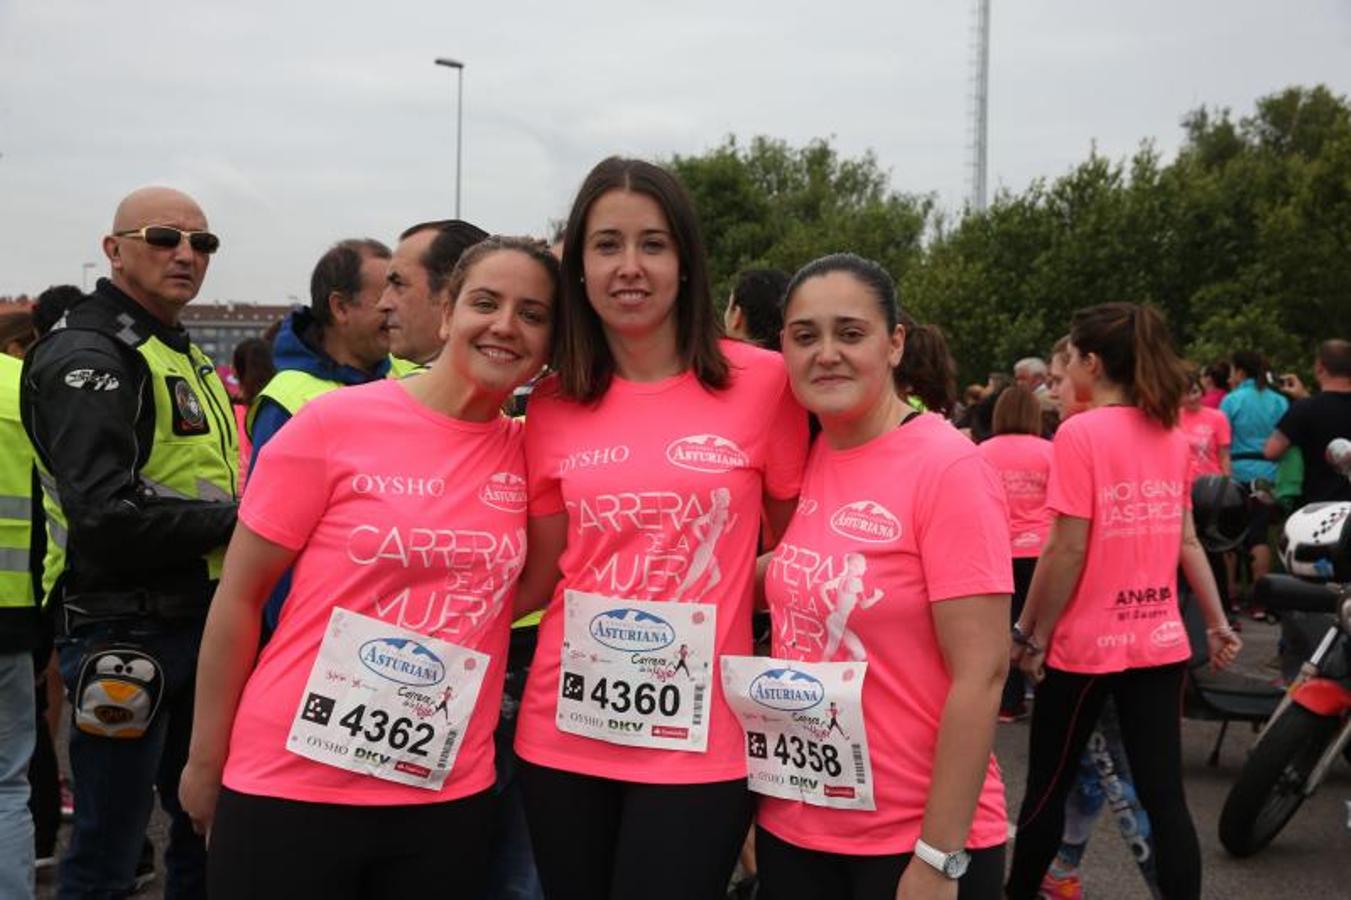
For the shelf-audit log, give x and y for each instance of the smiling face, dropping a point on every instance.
(839, 350)
(497, 330)
(163, 280)
(631, 264)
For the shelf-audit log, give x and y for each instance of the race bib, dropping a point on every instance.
(387, 702)
(805, 737)
(636, 672)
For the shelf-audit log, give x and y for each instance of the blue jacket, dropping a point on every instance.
(298, 347)
(1253, 414)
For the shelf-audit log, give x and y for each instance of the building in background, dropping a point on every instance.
(218, 327)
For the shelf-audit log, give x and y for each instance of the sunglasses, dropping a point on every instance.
(167, 237)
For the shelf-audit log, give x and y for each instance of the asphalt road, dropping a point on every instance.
(1311, 858)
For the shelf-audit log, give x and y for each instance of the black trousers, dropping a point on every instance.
(1015, 683)
(789, 872)
(596, 838)
(263, 848)
(1148, 703)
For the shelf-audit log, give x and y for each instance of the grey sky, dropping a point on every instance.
(301, 122)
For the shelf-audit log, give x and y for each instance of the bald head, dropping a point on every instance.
(150, 206)
(161, 278)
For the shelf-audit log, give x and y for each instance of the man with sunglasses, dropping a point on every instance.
(138, 458)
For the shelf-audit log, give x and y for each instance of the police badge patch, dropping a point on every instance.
(189, 417)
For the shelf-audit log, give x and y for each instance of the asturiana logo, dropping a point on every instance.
(1169, 634)
(864, 520)
(631, 630)
(504, 491)
(706, 453)
(786, 689)
(403, 660)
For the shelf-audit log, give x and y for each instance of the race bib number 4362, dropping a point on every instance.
(805, 736)
(636, 672)
(387, 702)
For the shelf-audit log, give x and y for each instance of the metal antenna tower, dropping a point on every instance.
(980, 103)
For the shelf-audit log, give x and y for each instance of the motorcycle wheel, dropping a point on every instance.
(1269, 788)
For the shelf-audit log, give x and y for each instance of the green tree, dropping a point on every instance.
(769, 204)
(1243, 239)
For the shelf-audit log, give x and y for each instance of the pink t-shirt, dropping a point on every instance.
(636, 473)
(1207, 431)
(1131, 479)
(1023, 462)
(918, 517)
(400, 514)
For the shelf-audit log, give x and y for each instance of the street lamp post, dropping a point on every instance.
(459, 120)
(84, 276)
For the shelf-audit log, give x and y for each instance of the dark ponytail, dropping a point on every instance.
(927, 369)
(1137, 354)
(1254, 366)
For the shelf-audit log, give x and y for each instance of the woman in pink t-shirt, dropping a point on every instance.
(355, 757)
(894, 572)
(1208, 431)
(1102, 614)
(1022, 457)
(651, 455)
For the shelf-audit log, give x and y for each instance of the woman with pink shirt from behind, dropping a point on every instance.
(1022, 457)
(354, 757)
(869, 732)
(1207, 429)
(1102, 615)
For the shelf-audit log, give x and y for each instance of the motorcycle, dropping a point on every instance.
(1220, 506)
(1311, 726)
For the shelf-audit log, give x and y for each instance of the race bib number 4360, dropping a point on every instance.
(387, 702)
(636, 672)
(805, 737)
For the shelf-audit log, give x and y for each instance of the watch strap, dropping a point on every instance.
(935, 857)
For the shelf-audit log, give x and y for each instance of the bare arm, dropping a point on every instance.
(1276, 445)
(546, 538)
(778, 513)
(1055, 578)
(1224, 644)
(762, 563)
(973, 638)
(229, 644)
(1226, 464)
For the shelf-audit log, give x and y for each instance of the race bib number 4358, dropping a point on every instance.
(805, 737)
(636, 672)
(387, 702)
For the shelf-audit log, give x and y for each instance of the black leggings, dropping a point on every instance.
(790, 872)
(1023, 567)
(597, 838)
(263, 847)
(1148, 704)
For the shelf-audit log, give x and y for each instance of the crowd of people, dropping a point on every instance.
(375, 629)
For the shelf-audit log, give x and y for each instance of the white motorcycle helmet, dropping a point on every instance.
(1316, 542)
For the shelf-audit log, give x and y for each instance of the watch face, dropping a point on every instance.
(955, 866)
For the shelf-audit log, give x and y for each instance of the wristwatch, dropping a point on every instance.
(952, 865)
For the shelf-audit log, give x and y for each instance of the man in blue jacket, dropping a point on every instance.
(341, 338)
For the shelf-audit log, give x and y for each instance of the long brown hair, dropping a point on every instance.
(1137, 354)
(1017, 411)
(583, 359)
(927, 369)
